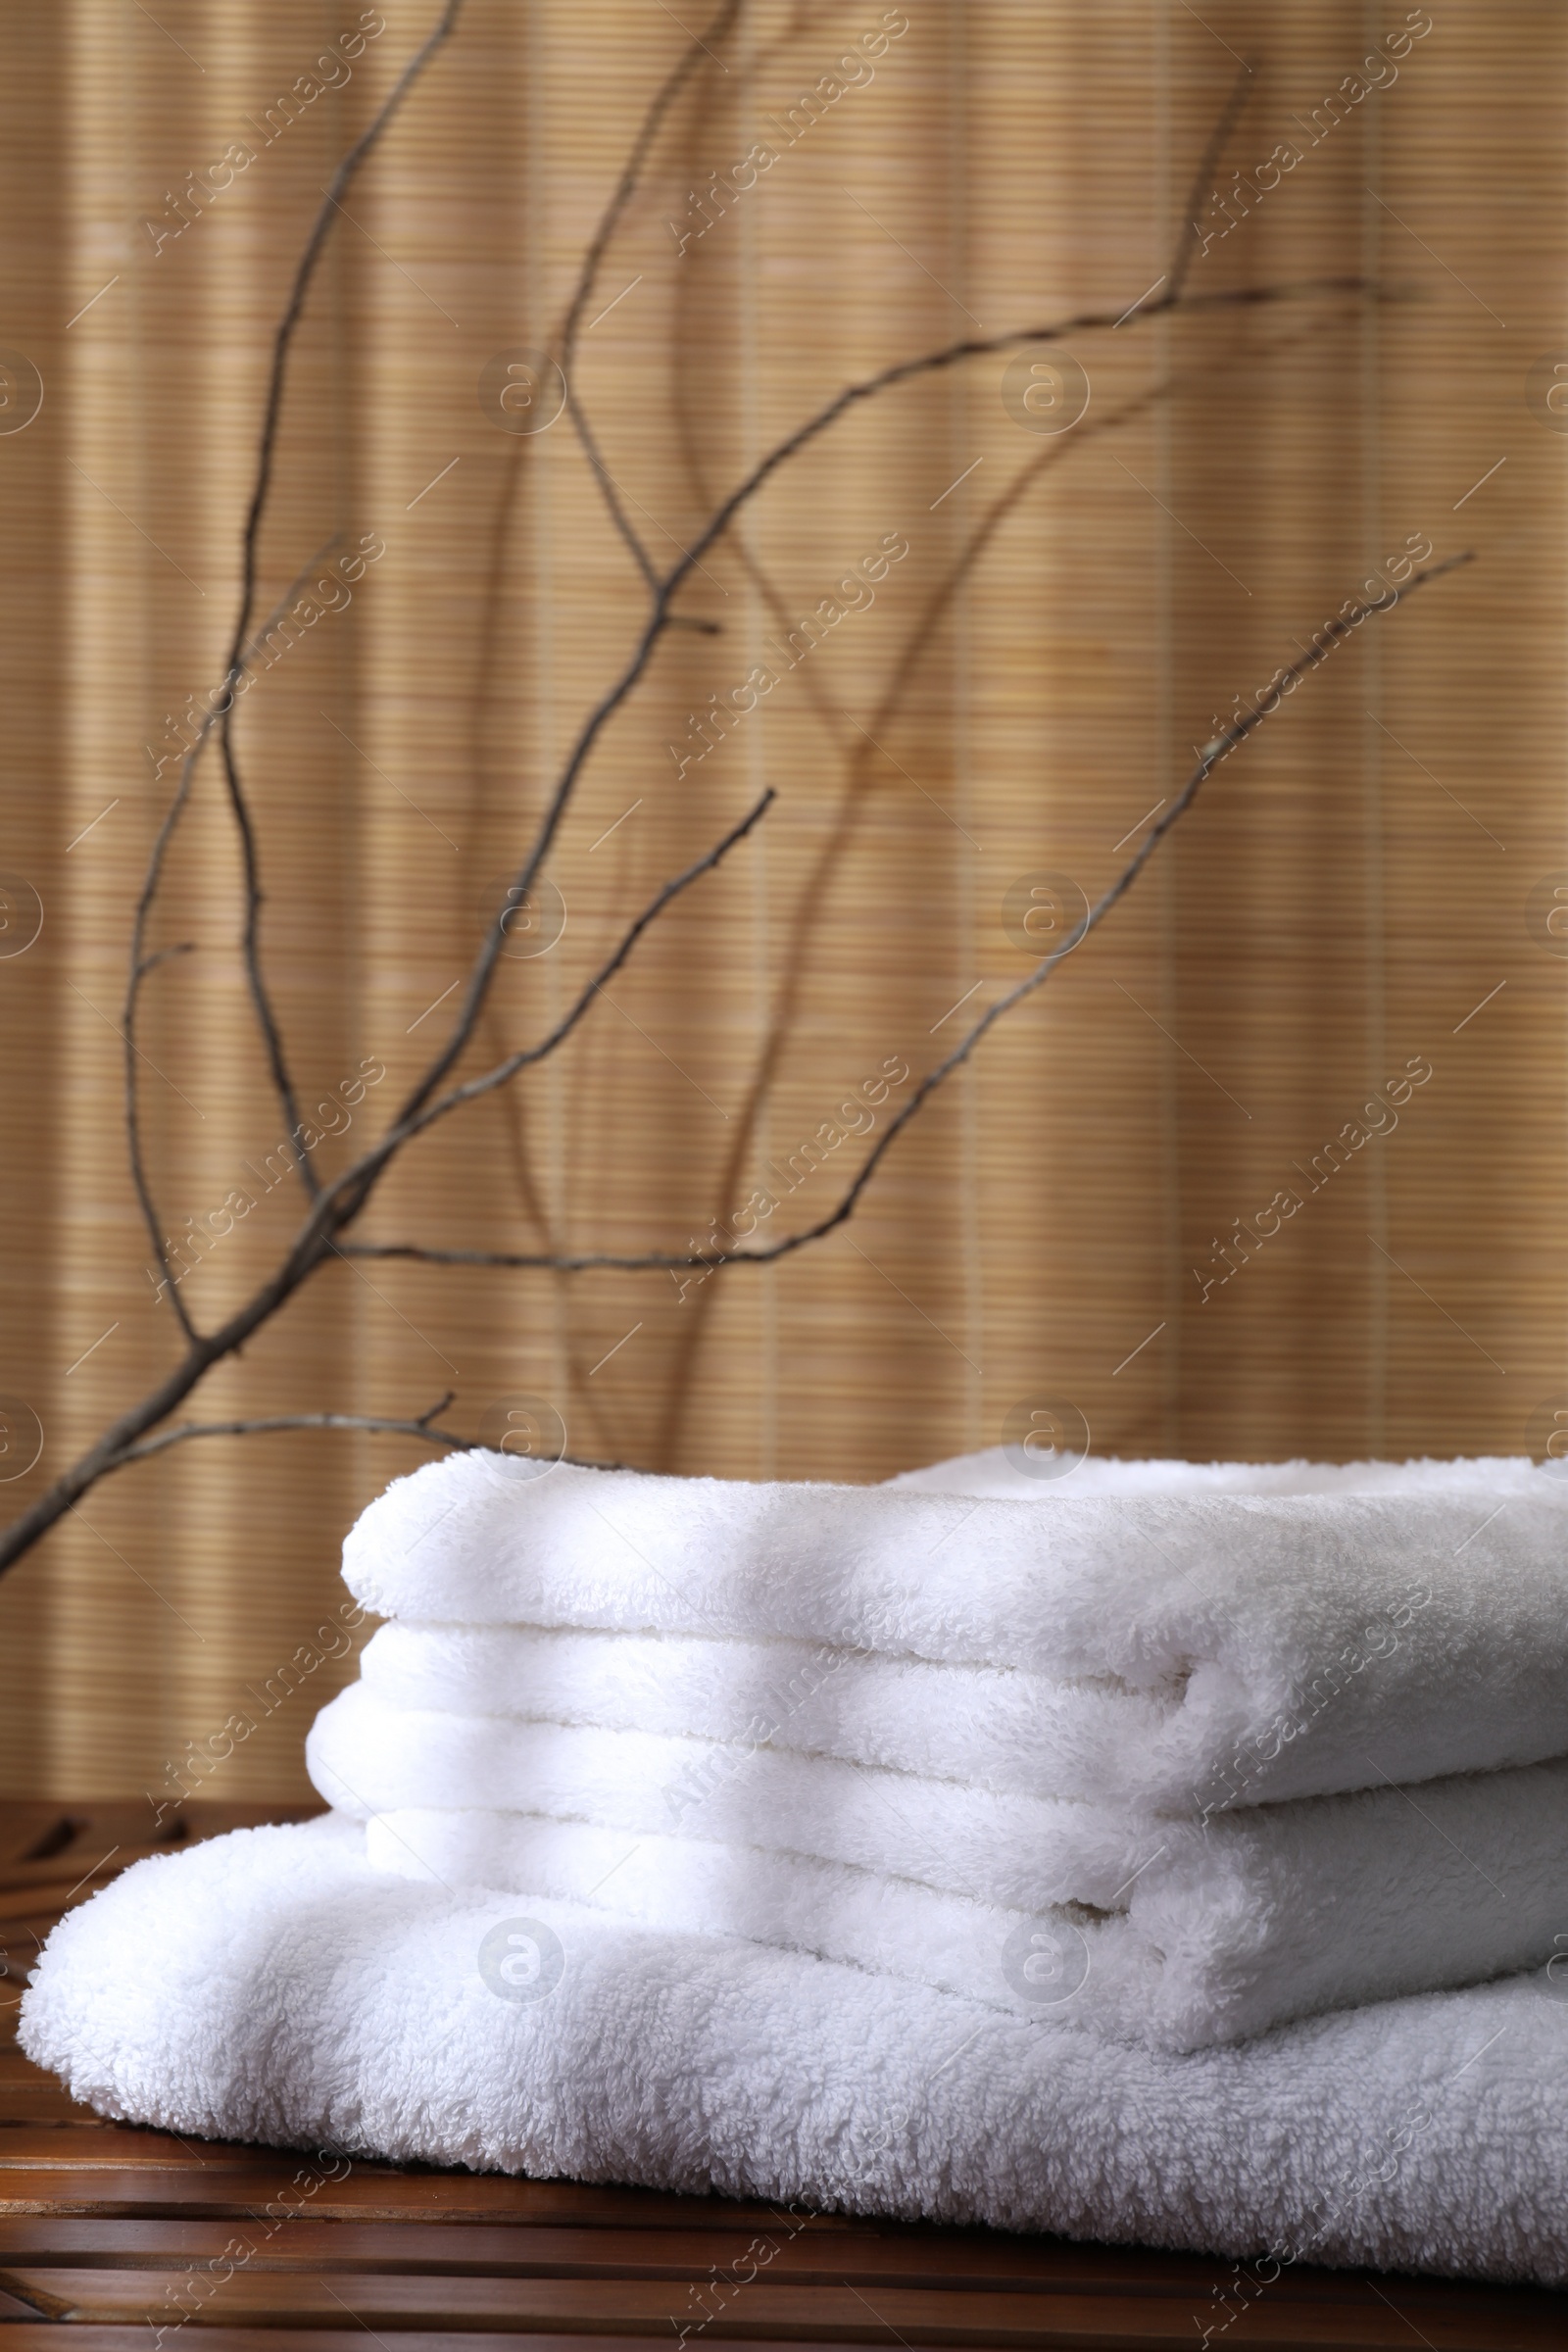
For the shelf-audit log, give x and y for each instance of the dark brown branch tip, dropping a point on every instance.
(150, 964)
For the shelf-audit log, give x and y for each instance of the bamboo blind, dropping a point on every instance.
(1005, 700)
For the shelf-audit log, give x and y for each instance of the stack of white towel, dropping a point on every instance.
(1171, 1753)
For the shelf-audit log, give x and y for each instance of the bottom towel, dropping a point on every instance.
(270, 1986)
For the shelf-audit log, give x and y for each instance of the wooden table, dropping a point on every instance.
(125, 2236)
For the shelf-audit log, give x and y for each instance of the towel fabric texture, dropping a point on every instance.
(995, 1726)
(1282, 1630)
(272, 1985)
(1178, 1931)
(1152, 1734)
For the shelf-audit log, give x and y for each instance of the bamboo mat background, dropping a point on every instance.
(1030, 680)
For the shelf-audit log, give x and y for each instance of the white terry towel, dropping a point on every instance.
(992, 1725)
(995, 1474)
(1172, 1932)
(269, 1986)
(1297, 1642)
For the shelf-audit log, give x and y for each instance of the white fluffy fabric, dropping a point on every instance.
(995, 1726)
(270, 1986)
(1189, 1933)
(995, 1474)
(1297, 1630)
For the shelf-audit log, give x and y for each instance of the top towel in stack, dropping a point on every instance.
(1179, 1750)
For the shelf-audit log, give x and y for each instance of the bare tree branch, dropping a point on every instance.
(251, 952)
(271, 1422)
(335, 1206)
(380, 1152)
(250, 936)
(142, 963)
(315, 245)
(1203, 178)
(659, 620)
(698, 46)
(1334, 633)
(239, 655)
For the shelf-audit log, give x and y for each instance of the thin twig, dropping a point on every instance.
(333, 1208)
(625, 188)
(1334, 633)
(270, 1422)
(1208, 164)
(272, 418)
(556, 1037)
(278, 1421)
(593, 726)
(305, 269)
(222, 721)
(271, 1039)
(142, 963)
(251, 953)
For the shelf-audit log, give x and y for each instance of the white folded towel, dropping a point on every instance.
(994, 1726)
(1174, 1931)
(269, 1986)
(1300, 1630)
(891, 1926)
(1025, 1852)
(995, 1474)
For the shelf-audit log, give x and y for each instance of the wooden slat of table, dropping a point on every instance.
(912, 2259)
(918, 2261)
(845, 2313)
(135, 2193)
(112, 2230)
(34, 2335)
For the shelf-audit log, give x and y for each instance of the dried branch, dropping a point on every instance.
(599, 717)
(698, 46)
(334, 1207)
(220, 720)
(144, 963)
(556, 1037)
(1220, 139)
(1334, 633)
(251, 952)
(422, 1429)
(141, 964)
(342, 178)
(863, 748)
